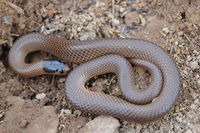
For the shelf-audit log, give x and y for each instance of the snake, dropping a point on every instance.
(101, 56)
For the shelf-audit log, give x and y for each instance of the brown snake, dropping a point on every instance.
(100, 57)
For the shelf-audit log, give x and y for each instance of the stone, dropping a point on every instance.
(101, 124)
(66, 111)
(138, 128)
(166, 30)
(180, 33)
(77, 112)
(25, 116)
(40, 96)
(179, 119)
(194, 64)
(198, 81)
(1, 116)
(132, 18)
(115, 22)
(188, 131)
(88, 36)
(143, 20)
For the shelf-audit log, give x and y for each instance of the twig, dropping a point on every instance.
(74, 4)
(188, 39)
(17, 8)
(113, 7)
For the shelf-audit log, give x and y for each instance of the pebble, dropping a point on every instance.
(2, 68)
(193, 106)
(166, 30)
(77, 112)
(194, 65)
(115, 22)
(23, 123)
(101, 124)
(189, 58)
(7, 20)
(22, 26)
(1, 116)
(61, 80)
(88, 35)
(176, 43)
(121, 9)
(188, 131)
(177, 109)
(143, 20)
(180, 33)
(198, 81)
(132, 18)
(66, 111)
(138, 127)
(40, 96)
(179, 119)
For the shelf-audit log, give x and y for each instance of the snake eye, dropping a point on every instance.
(55, 67)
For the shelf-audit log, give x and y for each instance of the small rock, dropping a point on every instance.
(193, 106)
(79, 29)
(194, 65)
(177, 110)
(115, 22)
(61, 80)
(189, 58)
(188, 131)
(106, 31)
(44, 101)
(88, 35)
(1, 116)
(77, 112)
(180, 33)
(121, 9)
(166, 30)
(23, 123)
(40, 96)
(2, 68)
(196, 52)
(179, 119)
(7, 20)
(155, 24)
(101, 124)
(132, 18)
(66, 111)
(138, 128)
(198, 81)
(22, 26)
(143, 20)
(176, 43)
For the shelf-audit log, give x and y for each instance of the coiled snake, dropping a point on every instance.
(100, 57)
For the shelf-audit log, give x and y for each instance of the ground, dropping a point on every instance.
(174, 25)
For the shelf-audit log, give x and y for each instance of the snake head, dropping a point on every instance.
(54, 67)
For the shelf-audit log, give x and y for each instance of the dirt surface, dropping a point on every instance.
(174, 25)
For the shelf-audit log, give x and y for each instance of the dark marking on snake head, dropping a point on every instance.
(55, 67)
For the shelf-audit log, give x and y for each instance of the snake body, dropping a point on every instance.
(100, 57)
